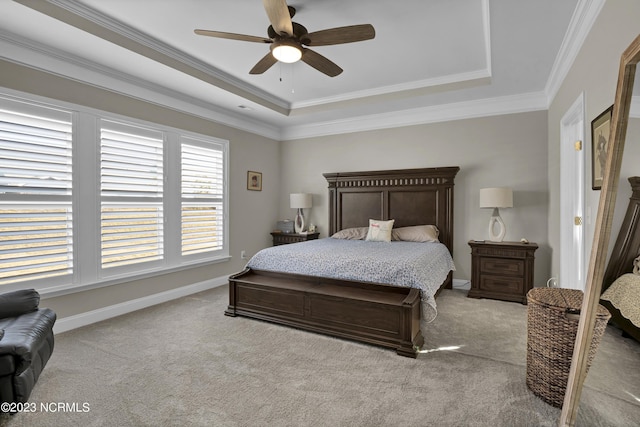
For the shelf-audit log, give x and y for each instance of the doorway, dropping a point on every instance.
(572, 195)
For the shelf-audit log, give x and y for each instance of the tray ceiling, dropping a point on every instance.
(428, 58)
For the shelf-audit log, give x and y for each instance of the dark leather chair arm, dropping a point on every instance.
(15, 303)
(24, 334)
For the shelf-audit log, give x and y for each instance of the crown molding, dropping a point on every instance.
(386, 90)
(417, 116)
(580, 25)
(94, 22)
(31, 54)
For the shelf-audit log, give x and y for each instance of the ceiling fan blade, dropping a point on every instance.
(232, 36)
(320, 63)
(278, 14)
(340, 35)
(264, 64)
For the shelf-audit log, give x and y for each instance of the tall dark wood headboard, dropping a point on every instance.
(409, 196)
(627, 246)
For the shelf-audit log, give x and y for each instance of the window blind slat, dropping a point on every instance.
(23, 114)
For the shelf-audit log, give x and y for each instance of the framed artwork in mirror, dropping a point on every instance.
(600, 127)
(254, 181)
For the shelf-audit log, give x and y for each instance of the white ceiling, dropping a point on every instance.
(430, 60)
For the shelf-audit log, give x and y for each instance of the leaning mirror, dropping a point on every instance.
(619, 122)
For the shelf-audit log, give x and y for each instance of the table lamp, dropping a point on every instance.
(300, 201)
(497, 197)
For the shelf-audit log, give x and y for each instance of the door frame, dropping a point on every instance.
(572, 197)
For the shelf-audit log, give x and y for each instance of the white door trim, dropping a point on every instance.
(572, 197)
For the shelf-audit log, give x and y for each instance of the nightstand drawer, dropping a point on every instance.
(502, 285)
(287, 238)
(502, 266)
(501, 270)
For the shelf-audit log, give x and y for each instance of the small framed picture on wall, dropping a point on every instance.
(600, 127)
(254, 181)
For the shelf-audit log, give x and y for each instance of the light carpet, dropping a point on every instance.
(183, 363)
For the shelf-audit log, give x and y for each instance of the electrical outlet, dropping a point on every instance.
(243, 254)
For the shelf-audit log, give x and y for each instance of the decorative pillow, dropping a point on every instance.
(417, 233)
(356, 233)
(379, 231)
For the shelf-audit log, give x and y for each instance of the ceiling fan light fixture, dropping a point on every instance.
(287, 51)
(288, 40)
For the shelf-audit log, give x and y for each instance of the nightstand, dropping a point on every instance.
(286, 238)
(502, 270)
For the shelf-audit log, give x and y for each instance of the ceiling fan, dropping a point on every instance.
(287, 39)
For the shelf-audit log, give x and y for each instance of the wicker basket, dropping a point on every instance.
(552, 325)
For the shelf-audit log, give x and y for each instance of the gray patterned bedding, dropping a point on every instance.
(407, 264)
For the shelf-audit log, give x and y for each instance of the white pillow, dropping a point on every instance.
(379, 231)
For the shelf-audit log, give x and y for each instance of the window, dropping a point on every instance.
(35, 193)
(88, 198)
(202, 198)
(131, 190)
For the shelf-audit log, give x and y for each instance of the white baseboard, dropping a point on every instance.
(83, 319)
(461, 284)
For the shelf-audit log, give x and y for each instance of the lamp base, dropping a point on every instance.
(496, 222)
(299, 223)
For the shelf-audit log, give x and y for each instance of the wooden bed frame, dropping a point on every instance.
(626, 249)
(372, 313)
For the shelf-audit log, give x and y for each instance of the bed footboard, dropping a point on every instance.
(382, 315)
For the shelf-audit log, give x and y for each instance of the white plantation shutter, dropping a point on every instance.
(36, 233)
(202, 197)
(119, 197)
(131, 191)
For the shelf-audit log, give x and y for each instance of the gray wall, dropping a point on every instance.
(252, 214)
(509, 150)
(594, 72)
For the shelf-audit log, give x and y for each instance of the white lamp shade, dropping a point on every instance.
(497, 197)
(300, 200)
